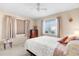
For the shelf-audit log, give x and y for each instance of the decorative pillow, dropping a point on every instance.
(63, 40)
(77, 38)
(70, 38)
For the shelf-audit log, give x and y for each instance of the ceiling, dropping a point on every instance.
(30, 9)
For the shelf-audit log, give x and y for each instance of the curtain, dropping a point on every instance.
(27, 22)
(8, 27)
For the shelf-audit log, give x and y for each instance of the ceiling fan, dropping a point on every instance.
(39, 8)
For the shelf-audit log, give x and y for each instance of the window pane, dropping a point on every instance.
(50, 27)
(20, 27)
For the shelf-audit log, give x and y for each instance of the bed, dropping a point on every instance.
(45, 46)
(73, 48)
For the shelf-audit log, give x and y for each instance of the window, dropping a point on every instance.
(20, 26)
(50, 27)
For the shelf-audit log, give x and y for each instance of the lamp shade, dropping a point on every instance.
(76, 33)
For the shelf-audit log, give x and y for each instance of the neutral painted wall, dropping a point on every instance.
(1, 17)
(66, 27)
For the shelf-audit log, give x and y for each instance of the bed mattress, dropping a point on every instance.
(42, 46)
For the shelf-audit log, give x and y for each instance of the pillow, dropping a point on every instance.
(73, 37)
(77, 38)
(63, 40)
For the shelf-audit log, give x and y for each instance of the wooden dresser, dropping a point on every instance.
(33, 33)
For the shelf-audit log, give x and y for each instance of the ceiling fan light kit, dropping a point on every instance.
(39, 7)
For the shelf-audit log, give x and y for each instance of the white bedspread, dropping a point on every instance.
(73, 48)
(42, 46)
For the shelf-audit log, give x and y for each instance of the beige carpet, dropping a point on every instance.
(16, 50)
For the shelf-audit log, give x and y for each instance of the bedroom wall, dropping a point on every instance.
(16, 17)
(1, 17)
(66, 27)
